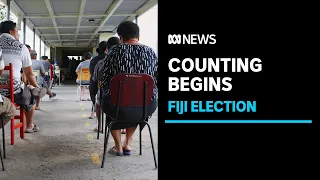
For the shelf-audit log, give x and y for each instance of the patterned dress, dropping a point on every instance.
(128, 58)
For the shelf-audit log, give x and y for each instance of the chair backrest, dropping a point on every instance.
(36, 73)
(131, 90)
(5, 79)
(84, 74)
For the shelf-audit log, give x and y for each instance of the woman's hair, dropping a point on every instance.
(112, 42)
(103, 46)
(128, 30)
(98, 51)
(87, 55)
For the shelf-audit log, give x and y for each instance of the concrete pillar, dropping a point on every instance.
(8, 9)
(34, 39)
(24, 30)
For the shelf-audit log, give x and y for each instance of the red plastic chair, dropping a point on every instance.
(130, 90)
(19, 117)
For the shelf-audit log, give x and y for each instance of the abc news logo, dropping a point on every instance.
(191, 39)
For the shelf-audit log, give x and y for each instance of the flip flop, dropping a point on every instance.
(126, 152)
(96, 130)
(113, 152)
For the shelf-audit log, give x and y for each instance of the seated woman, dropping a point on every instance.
(94, 90)
(128, 57)
(82, 65)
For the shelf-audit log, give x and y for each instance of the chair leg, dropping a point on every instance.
(99, 125)
(3, 140)
(154, 153)
(1, 160)
(102, 121)
(106, 139)
(22, 122)
(12, 130)
(140, 139)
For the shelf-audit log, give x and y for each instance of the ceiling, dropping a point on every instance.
(70, 23)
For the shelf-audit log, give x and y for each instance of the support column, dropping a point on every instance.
(24, 30)
(39, 49)
(34, 39)
(8, 9)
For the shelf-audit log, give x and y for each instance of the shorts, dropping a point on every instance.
(25, 99)
(126, 114)
(7, 110)
(46, 78)
(85, 83)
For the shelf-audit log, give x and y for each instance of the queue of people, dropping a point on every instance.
(27, 91)
(117, 55)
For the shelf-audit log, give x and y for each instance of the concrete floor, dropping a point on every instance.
(66, 148)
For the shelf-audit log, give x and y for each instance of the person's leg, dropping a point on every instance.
(129, 134)
(116, 134)
(7, 111)
(82, 92)
(37, 103)
(98, 112)
(29, 118)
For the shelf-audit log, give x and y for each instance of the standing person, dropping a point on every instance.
(128, 57)
(18, 55)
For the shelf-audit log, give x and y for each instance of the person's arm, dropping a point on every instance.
(1, 63)
(79, 66)
(42, 70)
(27, 66)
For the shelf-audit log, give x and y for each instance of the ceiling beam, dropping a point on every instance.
(13, 3)
(110, 11)
(142, 9)
(70, 34)
(70, 40)
(76, 15)
(82, 6)
(51, 12)
(69, 27)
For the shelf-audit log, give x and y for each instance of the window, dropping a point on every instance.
(29, 37)
(37, 46)
(42, 49)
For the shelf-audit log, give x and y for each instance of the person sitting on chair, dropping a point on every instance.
(128, 57)
(7, 108)
(94, 91)
(37, 65)
(82, 65)
(17, 54)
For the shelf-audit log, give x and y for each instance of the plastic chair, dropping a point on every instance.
(18, 117)
(83, 75)
(130, 90)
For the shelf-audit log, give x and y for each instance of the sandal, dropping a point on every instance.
(114, 152)
(126, 152)
(96, 130)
